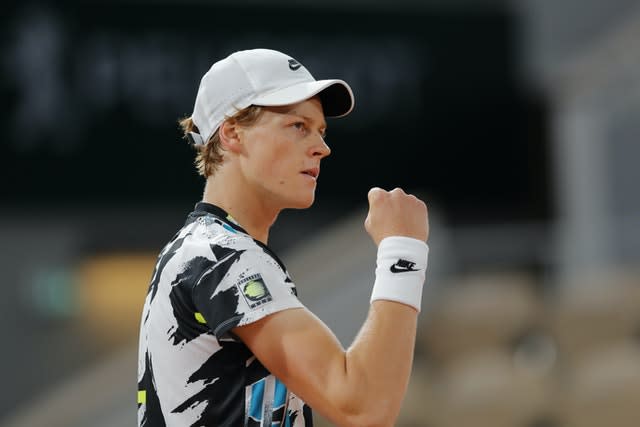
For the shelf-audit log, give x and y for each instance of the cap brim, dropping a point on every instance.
(336, 96)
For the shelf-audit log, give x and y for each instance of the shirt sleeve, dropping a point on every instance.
(242, 288)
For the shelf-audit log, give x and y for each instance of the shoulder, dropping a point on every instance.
(227, 251)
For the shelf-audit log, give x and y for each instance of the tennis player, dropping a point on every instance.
(224, 339)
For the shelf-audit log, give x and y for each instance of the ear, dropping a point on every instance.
(230, 136)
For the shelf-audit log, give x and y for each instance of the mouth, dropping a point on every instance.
(312, 172)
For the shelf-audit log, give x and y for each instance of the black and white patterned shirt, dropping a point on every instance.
(192, 370)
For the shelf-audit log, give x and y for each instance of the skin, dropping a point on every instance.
(266, 169)
(265, 164)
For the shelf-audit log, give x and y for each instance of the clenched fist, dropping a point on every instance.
(396, 213)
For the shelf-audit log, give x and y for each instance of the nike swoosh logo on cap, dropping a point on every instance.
(294, 65)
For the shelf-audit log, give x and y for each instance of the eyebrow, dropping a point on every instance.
(323, 124)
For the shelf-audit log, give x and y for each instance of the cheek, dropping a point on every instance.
(274, 158)
(271, 166)
(281, 163)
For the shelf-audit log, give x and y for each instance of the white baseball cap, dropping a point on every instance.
(261, 77)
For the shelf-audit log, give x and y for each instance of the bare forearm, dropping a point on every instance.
(378, 363)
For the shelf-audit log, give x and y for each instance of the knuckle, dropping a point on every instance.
(375, 192)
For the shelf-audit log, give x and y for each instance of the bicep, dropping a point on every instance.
(300, 350)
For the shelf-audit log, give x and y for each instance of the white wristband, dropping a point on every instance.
(401, 269)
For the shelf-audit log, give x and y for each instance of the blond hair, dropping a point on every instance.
(210, 156)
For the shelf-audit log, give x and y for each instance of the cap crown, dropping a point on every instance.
(234, 82)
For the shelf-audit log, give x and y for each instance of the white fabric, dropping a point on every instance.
(401, 270)
(255, 77)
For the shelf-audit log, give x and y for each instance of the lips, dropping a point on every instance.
(312, 172)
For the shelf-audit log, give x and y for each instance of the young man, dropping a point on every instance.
(224, 340)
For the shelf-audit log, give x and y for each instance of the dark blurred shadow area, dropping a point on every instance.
(515, 121)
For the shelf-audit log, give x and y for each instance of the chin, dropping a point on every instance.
(303, 203)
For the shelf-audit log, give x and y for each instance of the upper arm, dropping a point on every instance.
(301, 351)
(248, 294)
(241, 287)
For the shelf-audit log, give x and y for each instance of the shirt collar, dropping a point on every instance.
(204, 207)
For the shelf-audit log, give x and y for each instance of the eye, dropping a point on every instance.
(301, 126)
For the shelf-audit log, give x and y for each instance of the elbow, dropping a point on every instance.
(366, 420)
(362, 403)
(367, 413)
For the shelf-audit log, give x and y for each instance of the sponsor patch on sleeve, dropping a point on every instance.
(254, 291)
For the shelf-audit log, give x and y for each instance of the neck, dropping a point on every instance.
(247, 209)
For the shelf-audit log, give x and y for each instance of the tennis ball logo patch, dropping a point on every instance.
(254, 290)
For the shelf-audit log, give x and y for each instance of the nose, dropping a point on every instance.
(319, 148)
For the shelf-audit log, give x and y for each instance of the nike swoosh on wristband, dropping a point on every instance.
(402, 265)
